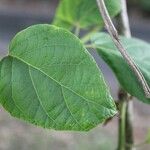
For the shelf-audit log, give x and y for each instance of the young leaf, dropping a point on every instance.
(49, 79)
(140, 52)
(83, 13)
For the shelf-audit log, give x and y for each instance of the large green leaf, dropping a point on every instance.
(83, 13)
(138, 50)
(50, 80)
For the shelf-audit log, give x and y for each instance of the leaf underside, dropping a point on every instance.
(50, 80)
(138, 50)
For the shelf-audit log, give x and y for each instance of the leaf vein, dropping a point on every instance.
(87, 100)
(32, 81)
(69, 108)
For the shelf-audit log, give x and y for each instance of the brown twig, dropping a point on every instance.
(115, 37)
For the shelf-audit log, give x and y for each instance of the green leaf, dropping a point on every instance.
(83, 13)
(138, 50)
(49, 79)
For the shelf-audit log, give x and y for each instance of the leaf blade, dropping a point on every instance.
(55, 82)
(83, 13)
(137, 49)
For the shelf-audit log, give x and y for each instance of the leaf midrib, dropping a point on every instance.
(87, 100)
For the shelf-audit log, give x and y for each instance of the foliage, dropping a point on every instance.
(83, 13)
(138, 49)
(50, 79)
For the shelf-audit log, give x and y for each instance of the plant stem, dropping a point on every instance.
(125, 139)
(124, 29)
(125, 136)
(77, 31)
(129, 126)
(122, 125)
(115, 37)
(123, 22)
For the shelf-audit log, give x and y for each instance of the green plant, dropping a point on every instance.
(49, 78)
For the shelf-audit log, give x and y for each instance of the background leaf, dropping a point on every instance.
(50, 80)
(138, 50)
(83, 13)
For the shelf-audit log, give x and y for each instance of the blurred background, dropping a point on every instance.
(16, 15)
